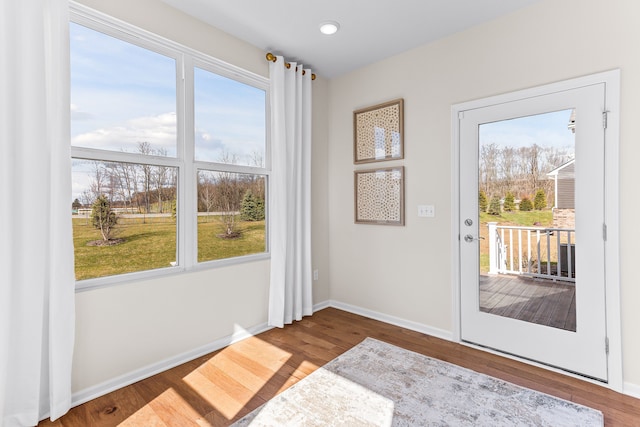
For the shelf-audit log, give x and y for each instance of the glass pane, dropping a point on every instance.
(231, 215)
(124, 217)
(230, 120)
(527, 219)
(122, 95)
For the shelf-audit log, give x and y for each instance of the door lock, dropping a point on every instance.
(469, 238)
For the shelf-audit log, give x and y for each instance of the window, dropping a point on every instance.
(169, 155)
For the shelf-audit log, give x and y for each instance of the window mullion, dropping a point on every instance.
(122, 157)
(188, 236)
(227, 167)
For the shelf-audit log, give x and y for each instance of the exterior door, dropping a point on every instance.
(532, 229)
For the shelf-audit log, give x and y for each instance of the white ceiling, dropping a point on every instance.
(370, 29)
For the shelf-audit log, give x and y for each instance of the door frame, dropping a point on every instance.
(611, 79)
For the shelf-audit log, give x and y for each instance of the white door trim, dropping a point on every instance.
(611, 79)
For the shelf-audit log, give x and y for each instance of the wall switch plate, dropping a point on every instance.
(315, 274)
(426, 211)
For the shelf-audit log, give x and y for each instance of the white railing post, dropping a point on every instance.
(493, 252)
(502, 255)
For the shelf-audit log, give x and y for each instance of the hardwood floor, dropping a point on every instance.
(221, 387)
(540, 301)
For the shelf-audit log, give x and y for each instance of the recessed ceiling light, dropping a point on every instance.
(329, 27)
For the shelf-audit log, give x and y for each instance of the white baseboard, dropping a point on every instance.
(397, 321)
(632, 390)
(321, 305)
(116, 383)
(113, 384)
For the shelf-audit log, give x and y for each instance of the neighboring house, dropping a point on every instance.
(564, 209)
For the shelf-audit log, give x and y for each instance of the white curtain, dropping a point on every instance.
(290, 293)
(36, 247)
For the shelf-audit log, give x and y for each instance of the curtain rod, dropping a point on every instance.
(271, 57)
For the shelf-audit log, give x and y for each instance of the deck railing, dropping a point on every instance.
(532, 251)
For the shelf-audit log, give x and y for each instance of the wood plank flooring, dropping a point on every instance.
(540, 301)
(221, 387)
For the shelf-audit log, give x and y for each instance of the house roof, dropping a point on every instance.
(566, 170)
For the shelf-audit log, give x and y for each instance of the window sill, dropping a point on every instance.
(121, 279)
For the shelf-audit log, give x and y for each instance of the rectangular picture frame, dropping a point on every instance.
(378, 132)
(379, 196)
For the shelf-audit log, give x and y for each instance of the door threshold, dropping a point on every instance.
(537, 364)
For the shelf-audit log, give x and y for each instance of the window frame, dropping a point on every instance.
(184, 161)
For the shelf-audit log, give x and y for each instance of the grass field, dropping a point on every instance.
(151, 243)
(524, 219)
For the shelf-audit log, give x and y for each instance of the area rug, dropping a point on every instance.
(379, 384)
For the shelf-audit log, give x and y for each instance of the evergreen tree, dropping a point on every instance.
(494, 206)
(540, 200)
(76, 204)
(252, 207)
(103, 217)
(526, 205)
(509, 202)
(483, 203)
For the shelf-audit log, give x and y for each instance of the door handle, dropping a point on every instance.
(469, 238)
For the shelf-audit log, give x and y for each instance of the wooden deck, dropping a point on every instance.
(540, 301)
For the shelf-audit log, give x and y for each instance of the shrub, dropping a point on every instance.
(526, 205)
(540, 200)
(509, 202)
(252, 207)
(103, 217)
(483, 203)
(494, 206)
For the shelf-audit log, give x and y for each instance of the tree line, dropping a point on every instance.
(140, 188)
(520, 173)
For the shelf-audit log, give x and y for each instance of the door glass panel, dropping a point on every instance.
(526, 204)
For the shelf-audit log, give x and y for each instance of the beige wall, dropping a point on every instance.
(405, 271)
(398, 271)
(125, 328)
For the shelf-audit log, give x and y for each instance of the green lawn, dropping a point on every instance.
(151, 243)
(211, 247)
(518, 218)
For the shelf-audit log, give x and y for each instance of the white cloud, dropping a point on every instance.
(158, 130)
(78, 115)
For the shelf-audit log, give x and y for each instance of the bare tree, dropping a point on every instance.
(521, 171)
(159, 177)
(206, 192)
(489, 154)
(98, 181)
(228, 199)
(127, 177)
(147, 173)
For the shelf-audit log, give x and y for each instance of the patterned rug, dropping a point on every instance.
(378, 384)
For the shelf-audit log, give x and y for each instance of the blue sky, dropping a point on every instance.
(547, 130)
(122, 94)
(229, 117)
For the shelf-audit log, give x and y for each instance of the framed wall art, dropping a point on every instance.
(378, 132)
(379, 196)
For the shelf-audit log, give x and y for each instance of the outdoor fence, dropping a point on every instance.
(540, 252)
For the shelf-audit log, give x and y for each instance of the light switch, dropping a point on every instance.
(426, 211)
